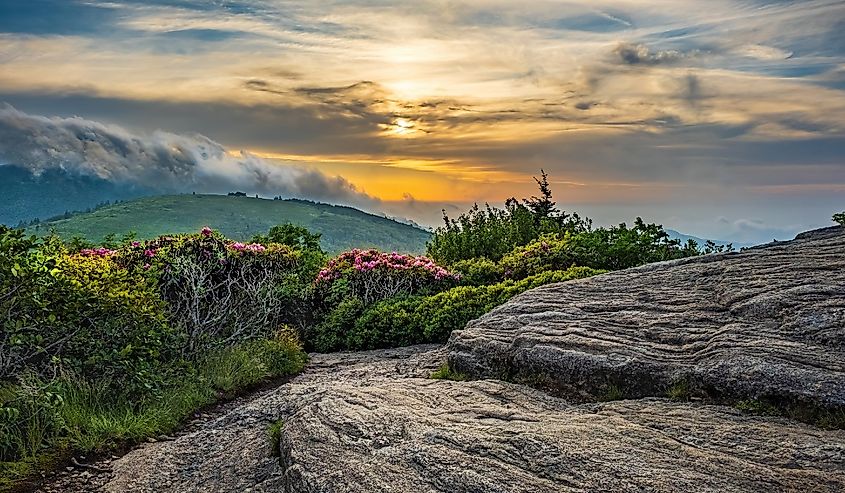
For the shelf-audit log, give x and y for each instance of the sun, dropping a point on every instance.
(401, 127)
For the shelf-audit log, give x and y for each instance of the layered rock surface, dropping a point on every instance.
(371, 422)
(487, 436)
(766, 323)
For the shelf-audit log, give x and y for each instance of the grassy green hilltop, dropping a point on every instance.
(240, 218)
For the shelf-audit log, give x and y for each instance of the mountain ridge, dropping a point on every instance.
(239, 218)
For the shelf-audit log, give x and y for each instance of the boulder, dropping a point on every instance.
(764, 324)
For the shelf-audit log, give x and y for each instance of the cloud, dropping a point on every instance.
(161, 160)
(640, 54)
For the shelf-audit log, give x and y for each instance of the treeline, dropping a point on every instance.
(36, 222)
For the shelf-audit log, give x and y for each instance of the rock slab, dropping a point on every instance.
(371, 422)
(419, 435)
(766, 323)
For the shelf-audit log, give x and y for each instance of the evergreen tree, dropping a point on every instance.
(543, 207)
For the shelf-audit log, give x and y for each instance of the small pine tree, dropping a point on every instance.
(543, 206)
(839, 218)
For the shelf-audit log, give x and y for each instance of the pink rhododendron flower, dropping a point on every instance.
(96, 252)
(206, 231)
(363, 262)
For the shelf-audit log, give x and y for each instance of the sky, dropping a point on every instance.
(724, 119)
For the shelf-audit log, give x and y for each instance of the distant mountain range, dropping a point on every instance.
(240, 217)
(701, 241)
(25, 197)
(72, 205)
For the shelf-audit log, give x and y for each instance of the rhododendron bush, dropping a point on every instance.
(78, 311)
(372, 276)
(217, 291)
(119, 310)
(124, 330)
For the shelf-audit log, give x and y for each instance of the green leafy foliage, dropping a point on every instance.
(839, 218)
(422, 319)
(78, 312)
(291, 235)
(479, 271)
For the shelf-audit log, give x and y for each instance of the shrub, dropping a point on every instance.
(621, 247)
(548, 253)
(217, 292)
(493, 233)
(372, 276)
(440, 314)
(296, 237)
(478, 271)
(390, 323)
(79, 312)
(839, 218)
(424, 319)
(330, 333)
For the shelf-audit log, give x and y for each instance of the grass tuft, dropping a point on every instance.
(679, 391)
(275, 433)
(612, 392)
(446, 373)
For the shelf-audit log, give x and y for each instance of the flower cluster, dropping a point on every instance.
(248, 247)
(541, 248)
(97, 252)
(206, 231)
(373, 260)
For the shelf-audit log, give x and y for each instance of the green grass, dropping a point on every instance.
(71, 416)
(612, 392)
(275, 434)
(446, 373)
(679, 391)
(240, 218)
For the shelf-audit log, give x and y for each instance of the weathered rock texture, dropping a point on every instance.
(370, 422)
(486, 436)
(765, 323)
